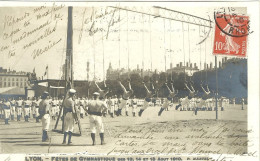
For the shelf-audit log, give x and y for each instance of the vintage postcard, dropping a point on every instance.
(129, 81)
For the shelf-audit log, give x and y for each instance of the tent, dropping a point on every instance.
(12, 91)
(45, 84)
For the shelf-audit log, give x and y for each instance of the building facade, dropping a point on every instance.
(189, 69)
(13, 79)
(114, 74)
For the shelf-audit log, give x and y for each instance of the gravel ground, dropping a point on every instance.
(172, 132)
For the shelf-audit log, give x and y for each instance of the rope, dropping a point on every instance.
(212, 42)
(216, 67)
(183, 51)
(200, 58)
(206, 79)
(164, 48)
(50, 138)
(171, 46)
(151, 44)
(119, 44)
(143, 46)
(189, 46)
(93, 39)
(103, 56)
(127, 44)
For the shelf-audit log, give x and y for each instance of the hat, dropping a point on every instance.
(96, 93)
(72, 91)
(45, 93)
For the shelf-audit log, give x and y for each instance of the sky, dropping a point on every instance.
(35, 37)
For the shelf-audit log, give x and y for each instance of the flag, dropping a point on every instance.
(46, 70)
(34, 70)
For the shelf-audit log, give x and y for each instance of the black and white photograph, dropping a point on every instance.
(129, 81)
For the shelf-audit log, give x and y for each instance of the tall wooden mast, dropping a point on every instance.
(68, 65)
(69, 51)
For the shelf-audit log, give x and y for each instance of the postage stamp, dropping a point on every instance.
(231, 32)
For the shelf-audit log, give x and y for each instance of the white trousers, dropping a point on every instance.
(37, 111)
(202, 103)
(96, 124)
(81, 109)
(46, 120)
(12, 110)
(19, 110)
(68, 122)
(33, 110)
(26, 111)
(127, 108)
(53, 110)
(134, 108)
(7, 113)
(122, 104)
(116, 107)
(111, 108)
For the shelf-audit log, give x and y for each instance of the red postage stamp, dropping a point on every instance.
(231, 33)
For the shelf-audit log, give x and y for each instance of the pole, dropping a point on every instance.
(69, 71)
(70, 45)
(216, 94)
(70, 55)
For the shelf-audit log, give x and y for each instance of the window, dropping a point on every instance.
(13, 84)
(17, 84)
(9, 84)
(4, 79)
(21, 84)
(13, 79)
(8, 79)
(0, 84)
(21, 79)
(4, 84)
